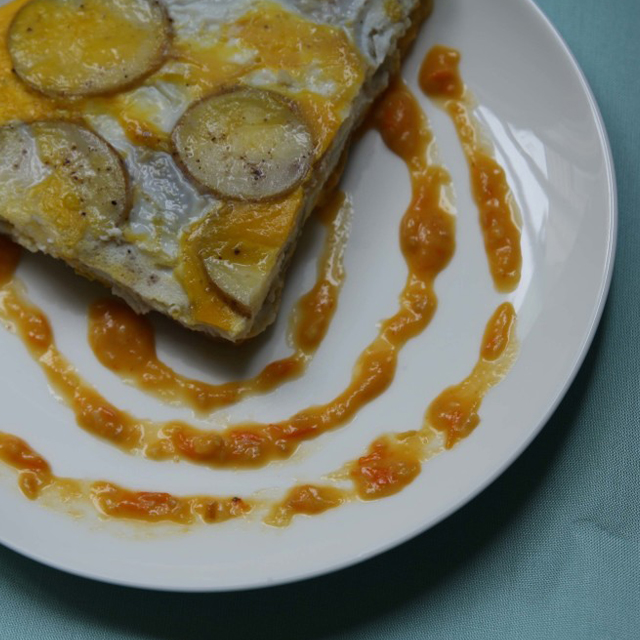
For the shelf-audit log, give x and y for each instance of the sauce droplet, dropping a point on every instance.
(387, 468)
(309, 500)
(34, 472)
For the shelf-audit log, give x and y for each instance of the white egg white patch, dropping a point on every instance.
(165, 202)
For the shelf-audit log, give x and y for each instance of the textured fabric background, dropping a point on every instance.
(551, 550)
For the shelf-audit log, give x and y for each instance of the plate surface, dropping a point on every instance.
(550, 138)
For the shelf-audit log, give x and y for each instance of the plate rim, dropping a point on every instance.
(495, 472)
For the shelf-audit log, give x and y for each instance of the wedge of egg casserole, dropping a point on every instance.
(172, 150)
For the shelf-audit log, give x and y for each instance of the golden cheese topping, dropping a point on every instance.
(288, 46)
(271, 38)
(239, 233)
(19, 102)
(314, 65)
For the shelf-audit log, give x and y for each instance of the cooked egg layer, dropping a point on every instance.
(222, 253)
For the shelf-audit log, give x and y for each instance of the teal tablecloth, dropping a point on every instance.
(551, 550)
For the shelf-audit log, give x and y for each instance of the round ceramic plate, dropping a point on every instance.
(550, 138)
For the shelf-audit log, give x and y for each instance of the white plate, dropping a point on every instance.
(550, 137)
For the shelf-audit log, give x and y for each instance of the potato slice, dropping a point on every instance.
(245, 144)
(87, 47)
(61, 183)
(242, 283)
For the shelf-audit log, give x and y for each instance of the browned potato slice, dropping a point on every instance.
(87, 47)
(245, 144)
(61, 183)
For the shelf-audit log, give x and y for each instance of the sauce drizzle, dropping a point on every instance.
(124, 341)
(394, 460)
(114, 501)
(391, 463)
(455, 411)
(35, 475)
(34, 472)
(308, 500)
(427, 239)
(10, 254)
(440, 79)
(388, 466)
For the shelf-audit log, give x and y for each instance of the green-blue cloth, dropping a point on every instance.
(551, 550)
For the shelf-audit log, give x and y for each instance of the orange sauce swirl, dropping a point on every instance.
(394, 460)
(427, 239)
(109, 499)
(440, 79)
(124, 341)
(391, 463)
(93, 412)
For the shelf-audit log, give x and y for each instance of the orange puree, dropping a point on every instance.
(440, 79)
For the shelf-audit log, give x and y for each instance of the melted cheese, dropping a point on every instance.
(249, 234)
(304, 52)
